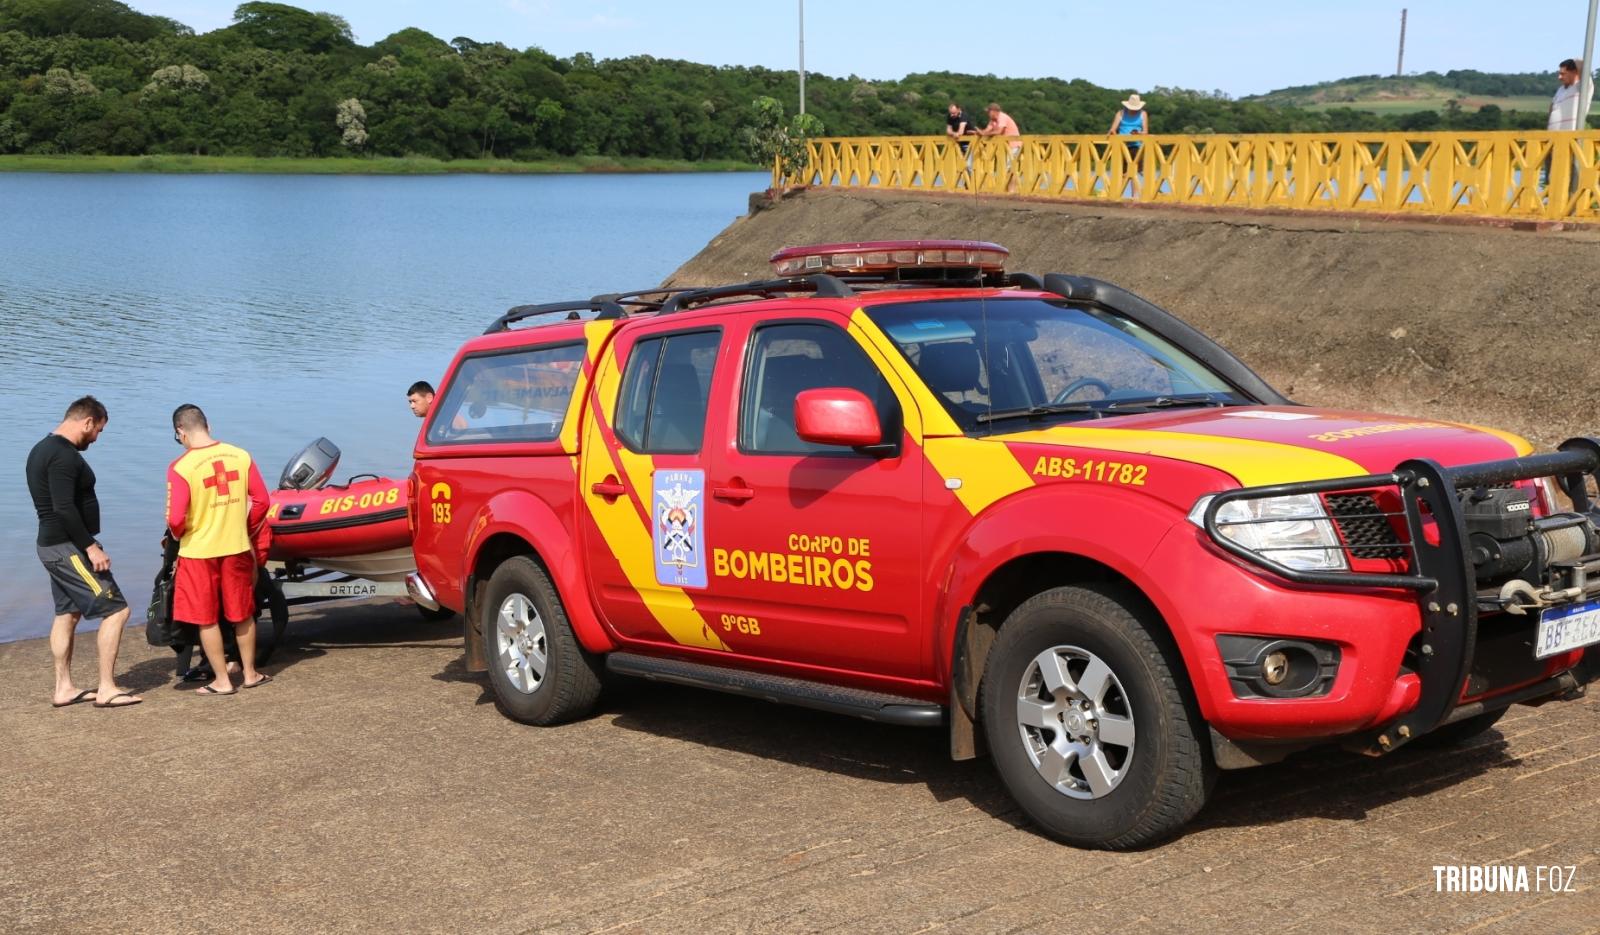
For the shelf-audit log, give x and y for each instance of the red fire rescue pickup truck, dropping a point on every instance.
(902, 483)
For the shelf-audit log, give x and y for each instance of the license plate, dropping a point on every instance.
(1565, 628)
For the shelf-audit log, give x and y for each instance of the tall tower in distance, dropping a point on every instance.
(1400, 63)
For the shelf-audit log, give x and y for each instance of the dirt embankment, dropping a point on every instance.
(1471, 324)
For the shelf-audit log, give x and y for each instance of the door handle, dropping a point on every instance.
(610, 488)
(736, 492)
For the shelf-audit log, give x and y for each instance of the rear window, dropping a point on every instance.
(514, 396)
(666, 390)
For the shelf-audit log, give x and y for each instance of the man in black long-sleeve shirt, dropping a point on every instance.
(62, 486)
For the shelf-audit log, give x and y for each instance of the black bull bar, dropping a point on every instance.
(1440, 572)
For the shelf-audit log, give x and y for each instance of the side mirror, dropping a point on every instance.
(836, 415)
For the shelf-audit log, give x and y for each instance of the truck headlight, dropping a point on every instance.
(1294, 531)
(1550, 496)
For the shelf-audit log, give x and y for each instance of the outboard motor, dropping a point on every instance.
(311, 468)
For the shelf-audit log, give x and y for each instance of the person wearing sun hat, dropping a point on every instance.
(1131, 119)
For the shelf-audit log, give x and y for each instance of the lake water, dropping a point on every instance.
(287, 307)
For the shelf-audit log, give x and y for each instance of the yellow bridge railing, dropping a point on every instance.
(1502, 174)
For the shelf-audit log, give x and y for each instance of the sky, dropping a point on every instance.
(1236, 47)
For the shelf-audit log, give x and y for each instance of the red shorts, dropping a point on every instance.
(201, 581)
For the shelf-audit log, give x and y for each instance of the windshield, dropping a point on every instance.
(998, 360)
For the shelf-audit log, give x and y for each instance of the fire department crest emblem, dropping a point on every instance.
(679, 533)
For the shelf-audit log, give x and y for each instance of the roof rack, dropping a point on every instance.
(670, 299)
(607, 305)
(572, 312)
(625, 299)
(821, 284)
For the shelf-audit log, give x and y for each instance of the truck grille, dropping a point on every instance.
(1364, 526)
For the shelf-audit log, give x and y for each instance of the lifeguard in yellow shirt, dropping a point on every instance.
(215, 497)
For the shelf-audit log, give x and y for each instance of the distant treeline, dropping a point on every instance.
(97, 77)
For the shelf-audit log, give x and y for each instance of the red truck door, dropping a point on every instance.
(815, 553)
(643, 445)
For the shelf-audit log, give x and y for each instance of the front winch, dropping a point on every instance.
(1511, 547)
(1507, 540)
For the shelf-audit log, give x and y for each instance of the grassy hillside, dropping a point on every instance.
(1438, 101)
(1471, 90)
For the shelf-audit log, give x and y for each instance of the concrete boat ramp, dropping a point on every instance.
(374, 788)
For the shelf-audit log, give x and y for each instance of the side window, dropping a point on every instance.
(786, 359)
(514, 396)
(665, 391)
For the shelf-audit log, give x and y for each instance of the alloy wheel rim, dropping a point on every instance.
(520, 643)
(1076, 722)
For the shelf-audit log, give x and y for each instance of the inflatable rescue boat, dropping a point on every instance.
(357, 528)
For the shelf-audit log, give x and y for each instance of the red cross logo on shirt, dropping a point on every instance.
(220, 475)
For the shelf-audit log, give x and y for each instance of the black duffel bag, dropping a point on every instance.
(159, 630)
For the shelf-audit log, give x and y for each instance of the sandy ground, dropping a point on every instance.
(374, 788)
(1476, 324)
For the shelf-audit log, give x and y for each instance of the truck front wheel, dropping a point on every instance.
(539, 673)
(1090, 728)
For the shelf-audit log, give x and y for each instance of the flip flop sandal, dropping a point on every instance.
(259, 682)
(85, 695)
(112, 701)
(208, 690)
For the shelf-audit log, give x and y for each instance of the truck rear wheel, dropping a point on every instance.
(1090, 729)
(539, 673)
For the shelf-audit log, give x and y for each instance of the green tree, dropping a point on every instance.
(91, 19)
(97, 76)
(351, 119)
(1422, 120)
(1487, 117)
(59, 82)
(179, 79)
(283, 27)
(769, 138)
(12, 138)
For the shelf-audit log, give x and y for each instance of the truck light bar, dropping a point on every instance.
(876, 256)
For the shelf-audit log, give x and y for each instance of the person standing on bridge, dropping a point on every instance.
(1564, 106)
(1131, 120)
(1563, 116)
(956, 124)
(215, 497)
(957, 127)
(1000, 124)
(62, 486)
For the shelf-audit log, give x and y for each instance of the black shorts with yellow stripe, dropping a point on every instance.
(76, 586)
